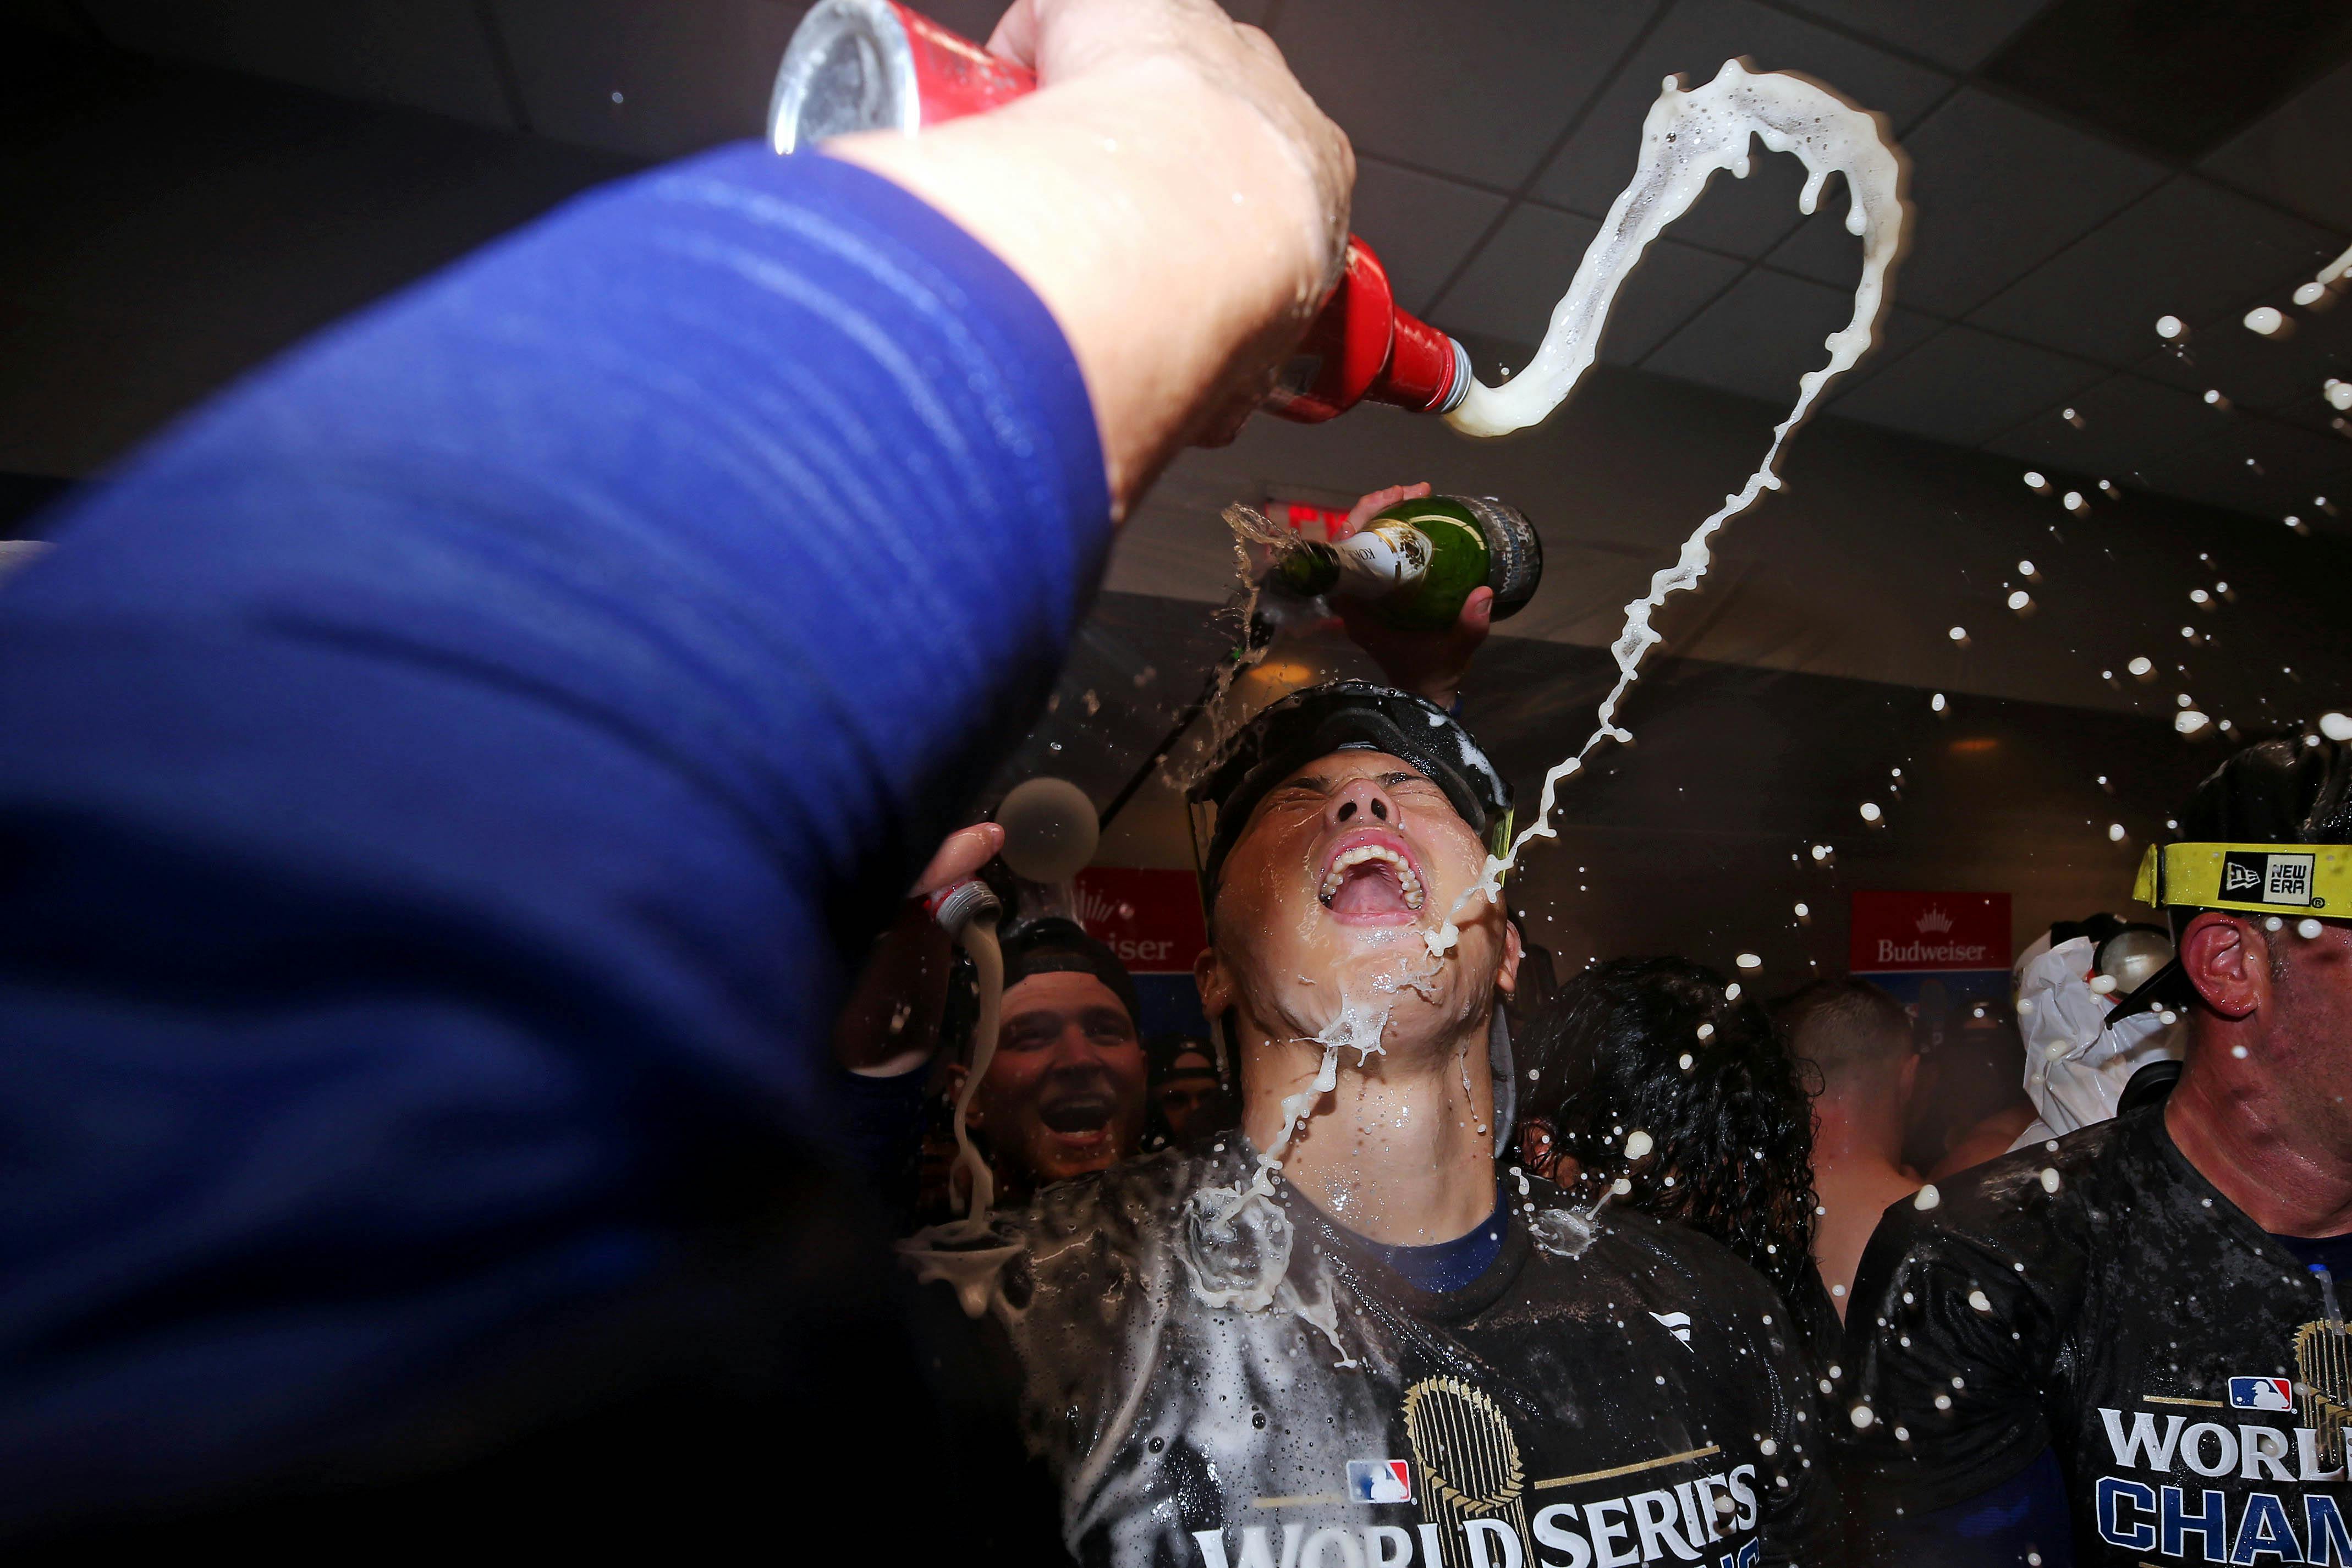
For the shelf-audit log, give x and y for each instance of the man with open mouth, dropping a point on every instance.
(1338, 1335)
(1064, 1094)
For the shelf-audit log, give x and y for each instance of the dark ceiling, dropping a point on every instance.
(2079, 169)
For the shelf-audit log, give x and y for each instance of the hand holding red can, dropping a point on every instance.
(868, 63)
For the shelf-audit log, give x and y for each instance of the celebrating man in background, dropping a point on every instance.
(2146, 1315)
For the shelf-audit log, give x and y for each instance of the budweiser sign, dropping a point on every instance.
(1897, 932)
(1150, 918)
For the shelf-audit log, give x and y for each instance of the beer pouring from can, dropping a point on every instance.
(871, 65)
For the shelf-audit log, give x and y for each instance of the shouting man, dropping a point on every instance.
(1064, 1093)
(1334, 1336)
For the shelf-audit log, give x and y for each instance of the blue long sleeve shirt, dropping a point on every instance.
(441, 778)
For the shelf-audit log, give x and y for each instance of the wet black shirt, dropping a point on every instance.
(1266, 1393)
(2103, 1300)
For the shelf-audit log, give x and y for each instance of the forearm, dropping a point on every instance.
(446, 772)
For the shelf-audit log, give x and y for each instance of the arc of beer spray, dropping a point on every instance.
(1686, 137)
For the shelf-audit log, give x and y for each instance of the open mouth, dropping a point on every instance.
(1076, 1116)
(1371, 877)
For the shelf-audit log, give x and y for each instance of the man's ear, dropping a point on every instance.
(1215, 987)
(2228, 962)
(1506, 977)
(1539, 1147)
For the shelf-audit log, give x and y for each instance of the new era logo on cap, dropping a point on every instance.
(2261, 1394)
(2249, 878)
(1380, 1480)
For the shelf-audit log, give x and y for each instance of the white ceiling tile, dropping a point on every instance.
(1758, 337)
(1966, 386)
(2278, 374)
(1510, 289)
(425, 54)
(2189, 248)
(1958, 34)
(2300, 153)
(1996, 190)
(687, 76)
(2122, 422)
(1479, 90)
(2289, 465)
(1744, 218)
(1420, 226)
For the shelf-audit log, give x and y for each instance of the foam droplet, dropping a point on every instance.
(1870, 812)
(1749, 961)
(2169, 328)
(2115, 834)
(2336, 727)
(2308, 929)
(2264, 319)
(1927, 1197)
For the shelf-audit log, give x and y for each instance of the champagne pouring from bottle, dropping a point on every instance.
(868, 63)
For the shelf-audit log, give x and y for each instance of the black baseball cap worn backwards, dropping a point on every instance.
(1343, 716)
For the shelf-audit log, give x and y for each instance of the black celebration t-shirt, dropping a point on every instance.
(1223, 1385)
(2099, 1297)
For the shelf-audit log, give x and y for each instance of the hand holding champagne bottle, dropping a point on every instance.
(1418, 579)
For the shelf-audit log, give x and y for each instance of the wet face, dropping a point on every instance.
(1190, 1100)
(1064, 1094)
(2310, 1020)
(1327, 897)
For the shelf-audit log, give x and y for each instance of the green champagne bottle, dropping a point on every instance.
(1415, 562)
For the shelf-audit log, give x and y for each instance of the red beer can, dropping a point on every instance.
(871, 65)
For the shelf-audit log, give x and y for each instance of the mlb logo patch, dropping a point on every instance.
(2261, 1394)
(1380, 1480)
(2253, 878)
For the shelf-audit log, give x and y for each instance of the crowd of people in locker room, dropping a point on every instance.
(1782, 1128)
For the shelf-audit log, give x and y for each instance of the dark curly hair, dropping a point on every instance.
(1620, 1049)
